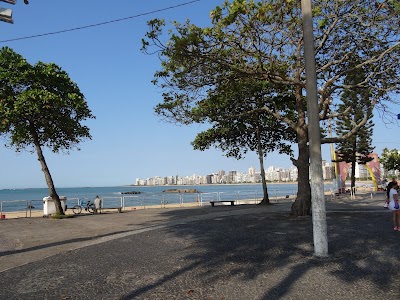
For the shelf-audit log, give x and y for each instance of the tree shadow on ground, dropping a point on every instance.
(64, 242)
(268, 255)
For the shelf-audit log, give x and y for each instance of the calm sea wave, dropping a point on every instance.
(18, 199)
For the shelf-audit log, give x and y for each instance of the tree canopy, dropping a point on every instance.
(239, 123)
(263, 40)
(356, 101)
(390, 159)
(235, 113)
(40, 106)
(40, 97)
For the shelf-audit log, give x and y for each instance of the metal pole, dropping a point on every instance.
(314, 132)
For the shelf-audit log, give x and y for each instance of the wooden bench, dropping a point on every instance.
(119, 209)
(222, 201)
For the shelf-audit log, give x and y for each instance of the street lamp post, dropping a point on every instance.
(320, 234)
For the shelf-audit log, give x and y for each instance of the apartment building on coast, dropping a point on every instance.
(272, 174)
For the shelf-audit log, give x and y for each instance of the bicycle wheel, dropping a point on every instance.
(90, 208)
(77, 209)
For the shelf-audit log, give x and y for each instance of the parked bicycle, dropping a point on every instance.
(89, 207)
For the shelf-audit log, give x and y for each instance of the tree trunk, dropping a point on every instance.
(49, 180)
(353, 167)
(302, 204)
(353, 177)
(260, 153)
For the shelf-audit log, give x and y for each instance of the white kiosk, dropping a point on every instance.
(49, 205)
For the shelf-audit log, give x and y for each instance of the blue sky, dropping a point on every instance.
(129, 140)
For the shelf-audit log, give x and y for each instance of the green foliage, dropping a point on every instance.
(262, 41)
(40, 106)
(394, 6)
(355, 106)
(390, 159)
(40, 102)
(240, 122)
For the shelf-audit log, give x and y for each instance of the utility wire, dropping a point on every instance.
(98, 24)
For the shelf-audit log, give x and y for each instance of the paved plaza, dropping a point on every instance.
(222, 252)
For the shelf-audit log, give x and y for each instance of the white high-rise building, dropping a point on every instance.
(361, 171)
(294, 174)
(328, 170)
(252, 171)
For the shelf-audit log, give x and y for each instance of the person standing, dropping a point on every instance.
(97, 204)
(394, 206)
(388, 188)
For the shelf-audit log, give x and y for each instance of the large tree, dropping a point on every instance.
(263, 40)
(239, 122)
(40, 106)
(390, 159)
(358, 147)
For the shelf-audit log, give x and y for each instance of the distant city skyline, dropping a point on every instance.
(277, 174)
(272, 174)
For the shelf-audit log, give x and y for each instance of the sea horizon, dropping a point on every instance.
(12, 199)
(16, 199)
(134, 185)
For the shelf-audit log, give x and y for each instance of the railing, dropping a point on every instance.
(19, 207)
(132, 201)
(190, 198)
(207, 197)
(112, 202)
(274, 195)
(163, 199)
(142, 201)
(72, 202)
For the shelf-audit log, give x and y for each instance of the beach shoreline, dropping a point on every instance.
(40, 213)
(191, 200)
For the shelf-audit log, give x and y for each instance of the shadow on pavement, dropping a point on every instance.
(70, 241)
(225, 252)
(270, 256)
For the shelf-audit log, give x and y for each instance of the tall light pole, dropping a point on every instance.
(320, 233)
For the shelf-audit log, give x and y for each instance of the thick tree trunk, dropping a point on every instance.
(265, 200)
(302, 204)
(49, 180)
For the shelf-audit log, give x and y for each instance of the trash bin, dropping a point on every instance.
(49, 205)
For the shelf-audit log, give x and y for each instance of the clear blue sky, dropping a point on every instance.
(129, 140)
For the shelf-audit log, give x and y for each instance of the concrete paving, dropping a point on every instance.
(224, 252)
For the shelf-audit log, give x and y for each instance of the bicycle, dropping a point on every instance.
(89, 207)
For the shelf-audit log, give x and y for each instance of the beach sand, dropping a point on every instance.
(39, 213)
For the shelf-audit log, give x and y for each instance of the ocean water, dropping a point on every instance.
(20, 199)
